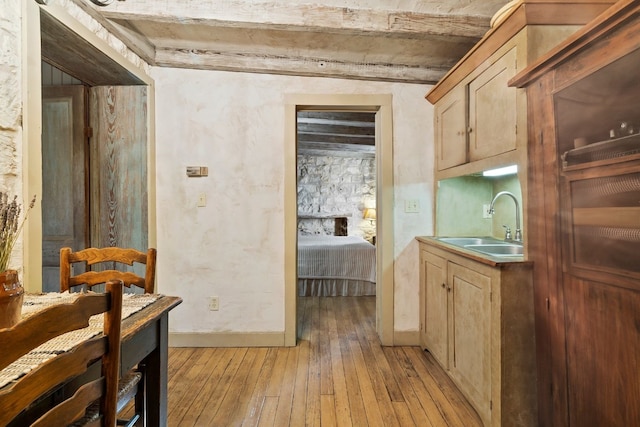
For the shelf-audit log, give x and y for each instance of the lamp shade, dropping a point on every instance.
(369, 213)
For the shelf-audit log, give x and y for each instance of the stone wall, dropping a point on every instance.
(10, 97)
(336, 185)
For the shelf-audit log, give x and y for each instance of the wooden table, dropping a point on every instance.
(144, 340)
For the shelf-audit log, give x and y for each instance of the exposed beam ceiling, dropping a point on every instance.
(344, 39)
(410, 41)
(336, 131)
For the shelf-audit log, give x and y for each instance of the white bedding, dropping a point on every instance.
(336, 265)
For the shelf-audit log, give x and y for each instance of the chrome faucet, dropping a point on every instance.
(518, 237)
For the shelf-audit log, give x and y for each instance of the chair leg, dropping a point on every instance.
(129, 423)
(141, 396)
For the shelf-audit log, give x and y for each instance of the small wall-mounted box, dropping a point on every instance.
(196, 171)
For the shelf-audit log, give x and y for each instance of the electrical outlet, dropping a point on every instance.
(411, 206)
(214, 304)
(485, 211)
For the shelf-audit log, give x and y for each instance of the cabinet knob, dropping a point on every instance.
(443, 285)
(448, 288)
(469, 130)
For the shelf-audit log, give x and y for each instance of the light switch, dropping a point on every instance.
(202, 200)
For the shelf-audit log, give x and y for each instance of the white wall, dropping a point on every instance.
(234, 123)
(233, 248)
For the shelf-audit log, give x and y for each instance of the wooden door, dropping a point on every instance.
(451, 129)
(435, 303)
(603, 353)
(492, 110)
(118, 167)
(470, 335)
(64, 211)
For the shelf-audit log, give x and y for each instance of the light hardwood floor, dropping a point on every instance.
(337, 375)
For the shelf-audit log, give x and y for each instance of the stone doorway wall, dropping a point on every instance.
(333, 185)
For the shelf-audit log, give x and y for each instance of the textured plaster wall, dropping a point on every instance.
(10, 97)
(11, 108)
(233, 248)
(336, 185)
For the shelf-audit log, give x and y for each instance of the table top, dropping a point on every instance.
(138, 310)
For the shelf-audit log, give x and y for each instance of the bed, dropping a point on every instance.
(336, 266)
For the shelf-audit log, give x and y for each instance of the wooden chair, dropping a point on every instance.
(107, 257)
(132, 385)
(42, 327)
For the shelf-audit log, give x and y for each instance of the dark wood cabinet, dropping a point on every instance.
(584, 221)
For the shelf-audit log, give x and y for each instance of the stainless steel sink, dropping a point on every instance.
(464, 241)
(498, 249)
(486, 245)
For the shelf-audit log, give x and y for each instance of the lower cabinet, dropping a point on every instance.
(477, 322)
(435, 295)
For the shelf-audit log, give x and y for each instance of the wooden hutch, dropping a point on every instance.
(584, 221)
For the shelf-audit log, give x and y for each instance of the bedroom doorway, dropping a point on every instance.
(336, 198)
(369, 144)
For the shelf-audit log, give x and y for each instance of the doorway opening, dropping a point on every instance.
(94, 168)
(379, 107)
(336, 193)
(88, 75)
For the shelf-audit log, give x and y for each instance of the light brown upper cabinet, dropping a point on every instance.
(477, 120)
(493, 110)
(451, 129)
(481, 122)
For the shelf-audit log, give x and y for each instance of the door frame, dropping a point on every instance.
(32, 127)
(381, 106)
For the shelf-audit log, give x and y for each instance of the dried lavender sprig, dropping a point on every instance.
(10, 226)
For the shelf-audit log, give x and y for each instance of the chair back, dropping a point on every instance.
(106, 258)
(44, 326)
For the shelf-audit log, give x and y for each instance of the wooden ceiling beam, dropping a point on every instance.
(299, 66)
(336, 139)
(336, 129)
(333, 149)
(338, 116)
(304, 17)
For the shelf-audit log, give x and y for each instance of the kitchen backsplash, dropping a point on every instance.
(461, 201)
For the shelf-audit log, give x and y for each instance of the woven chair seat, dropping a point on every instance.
(126, 386)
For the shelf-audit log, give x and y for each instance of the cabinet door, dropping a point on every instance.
(435, 303)
(492, 110)
(451, 125)
(470, 335)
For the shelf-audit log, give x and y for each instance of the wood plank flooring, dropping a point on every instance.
(337, 375)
